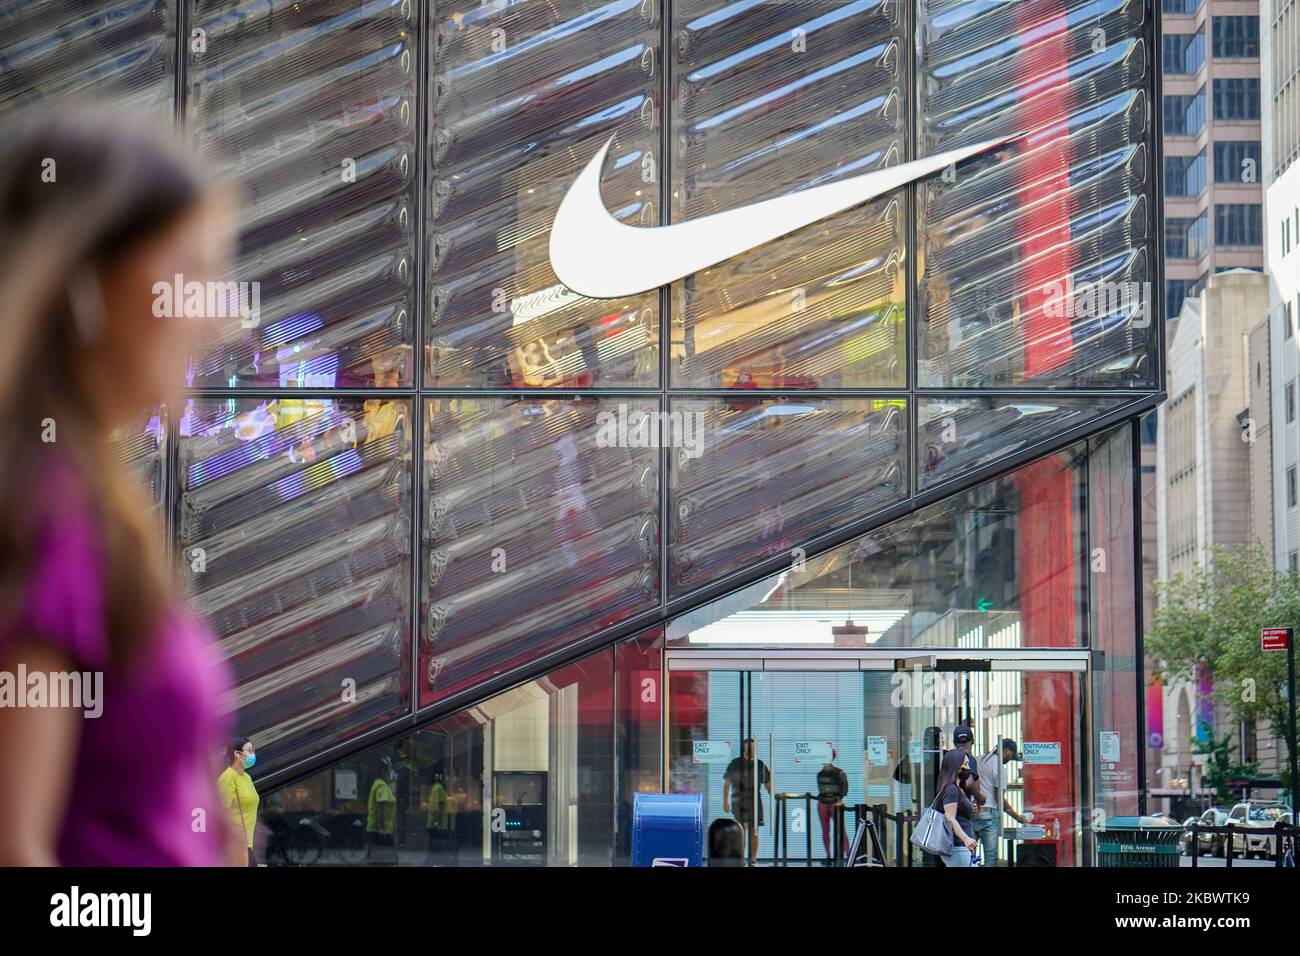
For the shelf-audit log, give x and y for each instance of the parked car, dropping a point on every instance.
(1256, 815)
(1215, 816)
(1185, 843)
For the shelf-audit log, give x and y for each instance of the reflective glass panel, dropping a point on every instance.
(541, 527)
(958, 435)
(1117, 678)
(522, 95)
(293, 526)
(998, 566)
(52, 49)
(1038, 257)
(767, 474)
(311, 108)
(541, 775)
(770, 98)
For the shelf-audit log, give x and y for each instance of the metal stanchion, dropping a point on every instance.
(878, 813)
(807, 802)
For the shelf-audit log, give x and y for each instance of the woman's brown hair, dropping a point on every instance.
(79, 189)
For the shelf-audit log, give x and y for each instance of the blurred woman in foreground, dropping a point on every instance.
(94, 211)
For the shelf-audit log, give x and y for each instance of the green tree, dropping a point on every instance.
(1223, 767)
(1212, 615)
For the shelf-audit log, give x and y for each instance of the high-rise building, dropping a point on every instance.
(1207, 464)
(1280, 36)
(1212, 150)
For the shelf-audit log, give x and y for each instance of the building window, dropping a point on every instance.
(1236, 37)
(1288, 321)
(1179, 6)
(1175, 292)
(1185, 115)
(1238, 224)
(1236, 161)
(1184, 53)
(1290, 401)
(1293, 561)
(1236, 98)
(1185, 175)
(1290, 487)
(1185, 238)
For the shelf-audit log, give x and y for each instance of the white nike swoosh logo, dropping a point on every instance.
(597, 256)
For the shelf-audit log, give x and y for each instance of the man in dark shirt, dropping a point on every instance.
(738, 792)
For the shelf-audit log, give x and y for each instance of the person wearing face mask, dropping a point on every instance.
(84, 587)
(958, 807)
(239, 796)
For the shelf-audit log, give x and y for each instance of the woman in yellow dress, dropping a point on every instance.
(238, 795)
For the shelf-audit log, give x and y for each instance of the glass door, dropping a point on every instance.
(794, 750)
(1024, 719)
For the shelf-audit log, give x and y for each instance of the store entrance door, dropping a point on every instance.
(799, 749)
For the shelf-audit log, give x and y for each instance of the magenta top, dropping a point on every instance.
(146, 764)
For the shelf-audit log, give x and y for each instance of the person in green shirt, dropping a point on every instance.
(381, 816)
(381, 806)
(440, 821)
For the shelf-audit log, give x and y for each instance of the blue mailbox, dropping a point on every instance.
(667, 829)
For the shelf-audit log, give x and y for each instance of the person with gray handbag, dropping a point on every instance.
(947, 834)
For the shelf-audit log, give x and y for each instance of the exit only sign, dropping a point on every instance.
(1274, 638)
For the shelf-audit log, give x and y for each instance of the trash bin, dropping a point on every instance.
(1132, 841)
(667, 829)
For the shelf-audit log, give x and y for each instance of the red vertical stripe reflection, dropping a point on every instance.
(1042, 72)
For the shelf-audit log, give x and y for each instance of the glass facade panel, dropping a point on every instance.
(130, 56)
(769, 99)
(541, 775)
(519, 91)
(1115, 581)
(312, 109)
(294, 534)
(1068, 203)
(541, 522)
(1176, 290)
(958, 435)
(997, 566)
(771, 473)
